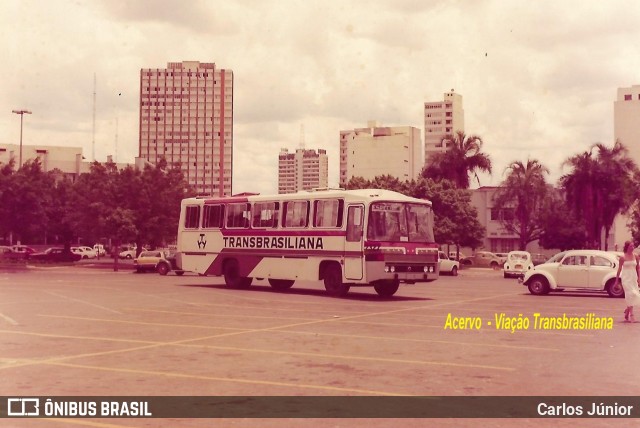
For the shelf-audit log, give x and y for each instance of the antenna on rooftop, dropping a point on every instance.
(116, 150)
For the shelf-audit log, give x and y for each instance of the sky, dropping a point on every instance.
(538, 79)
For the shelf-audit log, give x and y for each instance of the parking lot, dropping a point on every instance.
(90, 331)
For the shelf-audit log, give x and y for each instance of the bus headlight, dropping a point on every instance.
(386, 269)
(426, 269)
(392, 269)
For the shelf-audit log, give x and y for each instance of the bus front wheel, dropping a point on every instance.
(281, 284)
(386, 288)
(232, 275)
(333, 281)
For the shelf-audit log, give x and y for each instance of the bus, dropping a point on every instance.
(345, 238)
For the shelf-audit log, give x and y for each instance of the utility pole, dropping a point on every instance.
(21, 113)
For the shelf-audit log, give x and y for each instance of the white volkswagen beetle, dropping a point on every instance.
(587, 270)
(518, 263)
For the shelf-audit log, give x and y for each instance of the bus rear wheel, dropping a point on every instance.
(333, 281)
(281, 284)
(232, 275)
(386, 288)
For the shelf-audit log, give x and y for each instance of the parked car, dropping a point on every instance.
(99, 250)
(456, 256)
(7, 254)
(502, 257)
(593, 270)
(517, 264)
(482, 259)
(168, 264)
(23, 250)
(55, 255)
(129, 253)
(447, 265)
(85, 252)
(148, 260)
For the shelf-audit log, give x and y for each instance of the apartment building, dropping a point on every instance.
(441, 118)
(380, 150)
(186, 116)
(302, 170)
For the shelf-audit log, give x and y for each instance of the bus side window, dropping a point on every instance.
(238, 215)
(328, 213)
(213, 216)
(265, 214)
(296, 214)
(192, 217)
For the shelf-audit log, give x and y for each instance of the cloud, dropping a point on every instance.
(538, 79)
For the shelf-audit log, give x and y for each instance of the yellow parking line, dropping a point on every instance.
(8, 319)
(209, 314)
(143, 322)
(83, 302)
(228, 379)
(262, 351)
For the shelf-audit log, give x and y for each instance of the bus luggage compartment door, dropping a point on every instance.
(353, 259)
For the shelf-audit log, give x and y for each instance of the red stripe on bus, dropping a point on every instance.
(289, 253)
(267, 232)
(246, 262)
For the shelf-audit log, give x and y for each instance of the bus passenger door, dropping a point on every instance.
(353, 246)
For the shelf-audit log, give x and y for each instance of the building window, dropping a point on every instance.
(627, 97)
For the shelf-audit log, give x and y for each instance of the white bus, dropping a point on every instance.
(345, 238)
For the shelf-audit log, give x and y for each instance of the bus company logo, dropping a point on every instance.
(202, 242)
(23, 407)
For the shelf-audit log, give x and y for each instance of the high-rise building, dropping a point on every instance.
(377, 150)
(441, 118)
(302, 170)
(626, 129)
(186, 115)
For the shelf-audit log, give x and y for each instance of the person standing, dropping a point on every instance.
(628, 271)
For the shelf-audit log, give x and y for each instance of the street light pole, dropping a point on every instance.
(21, 113)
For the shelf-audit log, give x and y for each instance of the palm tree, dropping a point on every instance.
(581, 192)
(615, 177)
(600, 187)
(462, 159)
(525, 190)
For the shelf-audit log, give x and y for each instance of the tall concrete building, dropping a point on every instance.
(186, 115)
(441, 118)
(626, 129)
(377, 150)
(302, 170)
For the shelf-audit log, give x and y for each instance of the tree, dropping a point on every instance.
(25, 194)
(599, 187)
(524, 190)
(456, 220)
(462, 159)
(616, 173)
(581, 193)
(561, 228)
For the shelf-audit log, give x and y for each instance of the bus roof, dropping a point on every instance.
(368, 195)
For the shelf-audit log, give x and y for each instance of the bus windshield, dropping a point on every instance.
(398, 221)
